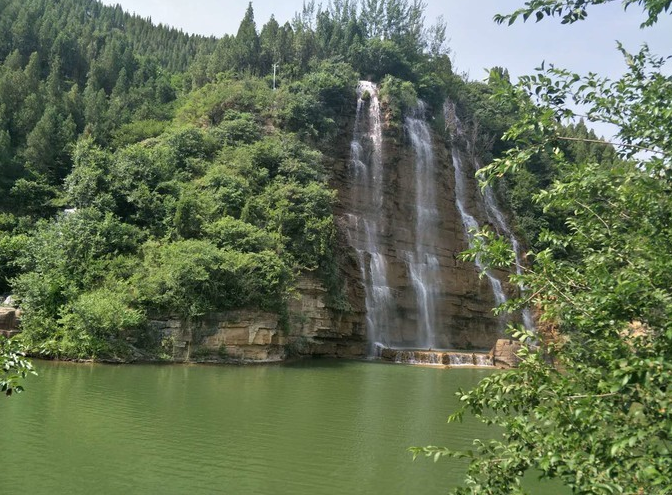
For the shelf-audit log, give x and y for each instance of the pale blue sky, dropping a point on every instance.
(477, 43)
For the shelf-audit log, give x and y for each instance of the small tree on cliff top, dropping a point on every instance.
(600, 417)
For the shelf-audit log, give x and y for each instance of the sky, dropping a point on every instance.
(475, 41)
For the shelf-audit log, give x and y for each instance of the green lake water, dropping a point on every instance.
(316, 427)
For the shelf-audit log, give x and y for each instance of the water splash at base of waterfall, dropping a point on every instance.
(445, 358)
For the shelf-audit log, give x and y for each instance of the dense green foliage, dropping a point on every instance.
(590, 403)
(75, 68)
(146, 171)
(192, 221)
(13, 366)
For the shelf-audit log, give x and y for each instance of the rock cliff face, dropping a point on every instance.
(464, 301)
(311, 329)
(381, 241)
(9, 321)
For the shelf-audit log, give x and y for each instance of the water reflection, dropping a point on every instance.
(324, 427)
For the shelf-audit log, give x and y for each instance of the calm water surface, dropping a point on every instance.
(318, 427)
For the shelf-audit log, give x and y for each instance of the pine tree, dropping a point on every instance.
(270, 44)
(246, 48)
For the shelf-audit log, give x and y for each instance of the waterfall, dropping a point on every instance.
(418, 357)
(492, 211)
(496, 217)
(470, 223)
(423, 264)
(366, 167)
(404, 241)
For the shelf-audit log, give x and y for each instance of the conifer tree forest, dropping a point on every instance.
(144, 170)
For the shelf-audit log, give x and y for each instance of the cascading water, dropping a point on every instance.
(471, 224)
(417, 357)
(470, 359)
(437, 358)
(416, 298)
(492, 211)
(496, 217)
(366, 162)
(423, 264)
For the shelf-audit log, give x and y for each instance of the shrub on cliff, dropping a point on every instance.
(192, 277)
(97, 324)
(301, 216)
(398, 97)
(62, 260)
(313, 105)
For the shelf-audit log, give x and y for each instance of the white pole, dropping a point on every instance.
(275, 66)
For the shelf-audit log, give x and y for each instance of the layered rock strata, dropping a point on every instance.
(463, 300)
(312, 329)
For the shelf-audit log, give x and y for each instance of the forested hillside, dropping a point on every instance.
(74, 68)
(147, 171)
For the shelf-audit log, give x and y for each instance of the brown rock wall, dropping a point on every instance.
(257, 336)
(465, 301)
(9, 321)
(505, 353)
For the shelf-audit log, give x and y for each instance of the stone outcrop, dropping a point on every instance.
(505, 352)
(313, 328)
(9, 321)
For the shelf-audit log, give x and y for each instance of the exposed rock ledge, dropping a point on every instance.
(254, 336)
(505, 353)
(9, 321)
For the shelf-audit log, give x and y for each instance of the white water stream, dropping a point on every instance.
(493, 212)
(366, 162)
(470, 224)
(496, 217)
(423, 264)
